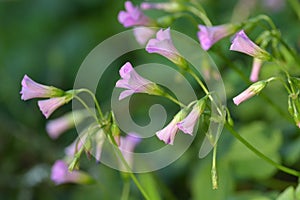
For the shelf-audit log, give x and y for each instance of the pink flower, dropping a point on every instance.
(164, 46)
(134, 83)
(209, 35)
(127, 146)
(143, 34)
(133, 16)
(60, 174)
(242, 43)
(188, 123)
(168, 133)
(50, 105)
(254, 89)
(257, 63)
(57, 126)
(32, 89)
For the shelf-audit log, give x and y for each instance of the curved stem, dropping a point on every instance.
(199, 14)
(86, 107)
(260, 154)
(94, 99)
(168, 96)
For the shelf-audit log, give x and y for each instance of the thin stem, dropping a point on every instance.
(126, 190)
(199, 14)
(260, 154)
(128, 168)
(214, 174)
(168, 96)
(296, 6)
(86, 107)
(94, 99)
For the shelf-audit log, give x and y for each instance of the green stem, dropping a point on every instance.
(260, 154)
(126, 190)
(214, 174)
(296, 6)
(128, 168)
(94, 99)
(86, 107)
(168, 96)
(199, 14)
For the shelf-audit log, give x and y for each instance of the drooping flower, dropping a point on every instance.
(166, 6)
(57, 126)
(48, 106)
(168, 133)
(133, 16)
(60, 174)
(164, 46)
(127, 146)
(188, 123)
(254, 89)
(32, 89)
(243, 44)
(143, 34)
(257, 63)
(209, 35)
(134, 83)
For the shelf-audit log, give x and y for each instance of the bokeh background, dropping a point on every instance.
(49, 39)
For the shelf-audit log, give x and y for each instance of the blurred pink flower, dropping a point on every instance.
(209, 35)
(127, 146)
(134, 83)
(188, 123)
(243, 44)
(32, 89)
(143, 34)
(133, 16)
(166, 6)
(60, 174)
(257, 63)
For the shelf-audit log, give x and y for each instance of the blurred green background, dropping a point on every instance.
(49, 39)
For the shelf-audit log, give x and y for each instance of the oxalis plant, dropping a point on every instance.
(201, 116)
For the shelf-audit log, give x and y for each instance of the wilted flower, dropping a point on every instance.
(134, 83)
(188, 123)
(209, 35)
(257, 63)
(254, 89)
(48, 106)
(133, 16)
(32, 89)
(143, 34)
(168, 133)
(127, 145)
(60, 174)
(164, 46)
(242, 43)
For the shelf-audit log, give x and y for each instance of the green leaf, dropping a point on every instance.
(245, 163)
(287, 194)
(201, 183)
(252, 195)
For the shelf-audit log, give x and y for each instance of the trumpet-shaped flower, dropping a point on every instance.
(143, 34)
(257, 63)
(188, 123)
(209, 35)
(166, 6)
(243, 44)
(48, 106)
(254, 89)
(133, 16)
(60, 174)
(32, 89)
(134, 83)
(168, 133)
(164, 46)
